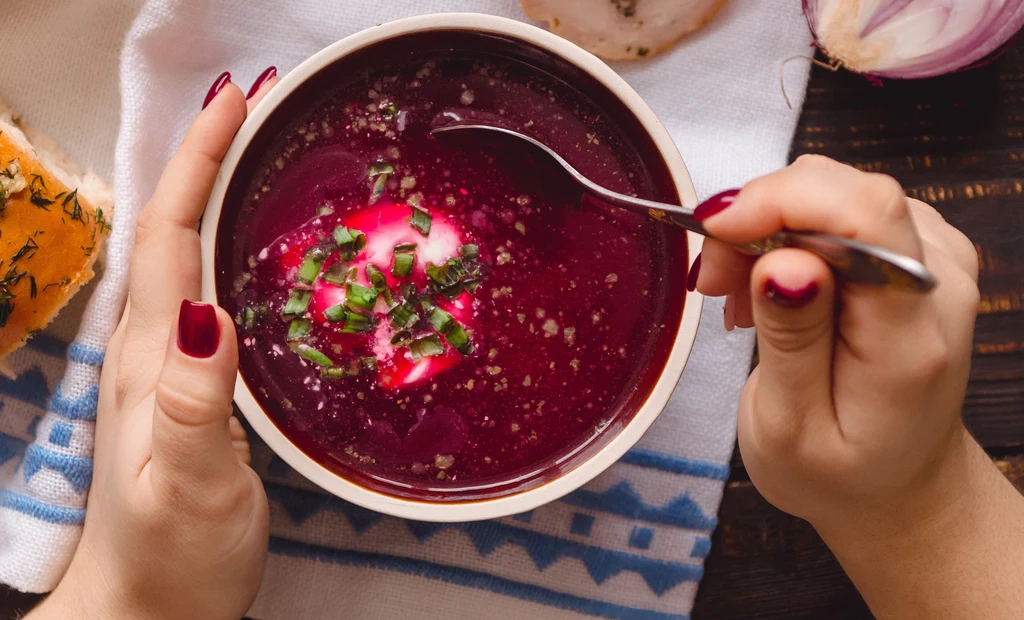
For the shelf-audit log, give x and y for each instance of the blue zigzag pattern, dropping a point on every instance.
(487, 536)
(622, 499)
(81, 407)
(30, 387)
(468, 578)
(76, 470)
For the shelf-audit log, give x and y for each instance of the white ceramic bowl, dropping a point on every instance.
(651, 406)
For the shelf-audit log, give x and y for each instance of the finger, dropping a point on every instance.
(165, 265)
(191, 429)
(260, 87)
(240, 441)
(723, 269)
(933, 228)
(820, 197)
(793, 300)
(743, 312)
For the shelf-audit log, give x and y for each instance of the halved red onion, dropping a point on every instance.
(911, 38)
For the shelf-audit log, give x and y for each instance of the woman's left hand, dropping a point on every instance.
(177, 524)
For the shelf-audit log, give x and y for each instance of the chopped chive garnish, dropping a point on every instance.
(324, 210)
(333, 373)
(337, 273)
(311, 265)
(403, 316)
(427, 346)
(379, 168)
(336, 314)
(408, 290)
(405, 247)
(469, 251)
(378, 188)
(349, 239)
(389, 297)
(297, 303)
(402, 338)
(471, 285)
(440, 319)
(447, 275)
(389, 111)
(369, 363)
(420, 220)
(359, 296)
(248, 317)
(299, 329)
(452, 331)
(403, 264)
(313, 355)
(356, 323)
(426, 304)
(376, 277)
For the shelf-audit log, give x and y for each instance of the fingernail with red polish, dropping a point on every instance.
(789, 297)
(222, 80)
(691, 278)
(264, 77)
(715, 204)
(198, 329)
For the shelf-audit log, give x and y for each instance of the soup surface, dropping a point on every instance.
(440, 320)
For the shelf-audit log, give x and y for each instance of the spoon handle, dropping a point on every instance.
(850, 259)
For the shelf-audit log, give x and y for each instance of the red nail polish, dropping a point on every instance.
(715, 204)
(788, 297)
(268, 73)
(222, 80)
(198, 329)
(691, 278)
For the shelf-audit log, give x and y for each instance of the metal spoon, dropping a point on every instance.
(850, 259)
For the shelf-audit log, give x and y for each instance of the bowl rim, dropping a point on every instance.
(651, 407)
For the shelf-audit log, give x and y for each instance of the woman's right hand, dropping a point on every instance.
(852, 418)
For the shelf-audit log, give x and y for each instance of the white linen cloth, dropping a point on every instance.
(631, 544)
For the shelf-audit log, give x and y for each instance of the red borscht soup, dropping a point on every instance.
(447, 321)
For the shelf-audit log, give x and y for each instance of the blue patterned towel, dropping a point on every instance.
(631, 544)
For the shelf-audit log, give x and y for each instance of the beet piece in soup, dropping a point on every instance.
(447, 323)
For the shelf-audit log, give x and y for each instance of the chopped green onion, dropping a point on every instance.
(469, 251)
(405, 247)
(338, 274)
(299, 329)
(333, 373)
(358, 296)
(408, 290)
(471, 285)
(427, 346)
(324, 210)
(356, 323)
(426, 304)
(336, 314)
(447, 275)
(297, 303)
(378, 188)
(389, 111)
(402, 338)
(403, 264)
(369, 363)
(248, 317)
(349, 239)
(311, 265)
(403, 316)
(420, 220)
(441, 320)
(459, 339)
(389, 297)
(379, 168)
(313, 355)
(376, 277)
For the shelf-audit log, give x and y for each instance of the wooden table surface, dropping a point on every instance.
(956, 142)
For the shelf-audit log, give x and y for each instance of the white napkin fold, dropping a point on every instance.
(631, 544)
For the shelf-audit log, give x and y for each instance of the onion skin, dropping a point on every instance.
(871, 37)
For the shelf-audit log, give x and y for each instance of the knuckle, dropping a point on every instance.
(813, 160)
(886, 195)
(185, 406)
(789, 337)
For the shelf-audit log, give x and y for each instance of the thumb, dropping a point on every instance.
(191, 431)
(793, 297)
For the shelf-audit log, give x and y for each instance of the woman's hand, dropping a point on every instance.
(852, 418)
(177, 521)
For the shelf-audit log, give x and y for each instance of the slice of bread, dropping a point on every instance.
(54, 218)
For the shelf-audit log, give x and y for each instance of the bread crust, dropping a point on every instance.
(50, 237)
